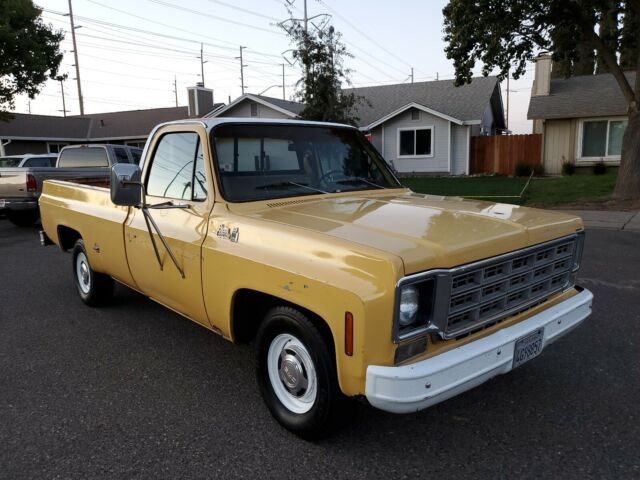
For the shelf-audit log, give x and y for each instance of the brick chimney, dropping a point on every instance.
(200, 100)
(542, 81)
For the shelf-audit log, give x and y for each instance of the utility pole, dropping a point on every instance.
(242, 65)
(175, 88)
(437, 76)
(202, 63)
(411, 74)
(306, 18)
(284, 97)
(64, 104)
(29, 107)
(75, 56)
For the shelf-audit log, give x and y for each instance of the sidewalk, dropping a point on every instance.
(611, 220)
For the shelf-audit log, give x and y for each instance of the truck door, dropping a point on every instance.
(175, 172)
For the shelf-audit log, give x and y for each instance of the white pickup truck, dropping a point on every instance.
(21, 177)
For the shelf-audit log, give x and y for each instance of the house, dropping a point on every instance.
(259, 106)
(582, 119)
(426, 127)
(422, 127)
(48, 134)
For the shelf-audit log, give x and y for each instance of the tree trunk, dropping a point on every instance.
(608, 32)
(629, 41)
(628, 183)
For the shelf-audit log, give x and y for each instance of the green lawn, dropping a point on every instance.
(540, 192)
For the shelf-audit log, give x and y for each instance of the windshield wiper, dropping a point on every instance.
(290, 184)
(352, 180)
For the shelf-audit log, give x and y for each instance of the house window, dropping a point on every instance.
(415, 142)
(55, 147)
(254, 109)
(602, 138)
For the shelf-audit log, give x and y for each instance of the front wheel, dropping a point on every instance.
(297, 374)
(94, 288)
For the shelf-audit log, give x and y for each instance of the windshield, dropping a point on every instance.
(10, 162)
(260, 162)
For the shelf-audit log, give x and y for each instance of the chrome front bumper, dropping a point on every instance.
(413, 387)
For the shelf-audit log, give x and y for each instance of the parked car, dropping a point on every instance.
(297, 236)
(29, 160)
(21, 177)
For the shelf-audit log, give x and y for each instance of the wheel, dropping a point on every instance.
(94, 288)
(297, 374)
(23, 218)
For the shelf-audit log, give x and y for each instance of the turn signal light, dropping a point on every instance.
(31, 183)
(348, 333)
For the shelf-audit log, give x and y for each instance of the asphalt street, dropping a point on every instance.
(135, 391)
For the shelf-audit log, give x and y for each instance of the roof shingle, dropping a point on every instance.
(581, 96)
(466, 102)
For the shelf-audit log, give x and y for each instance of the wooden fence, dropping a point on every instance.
(501, 153)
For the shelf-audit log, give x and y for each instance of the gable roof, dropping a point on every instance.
(286, 107)
(466, 103)
(463, 105)
(581, 96)
(95, 126)
(44, 127)
(131, 123)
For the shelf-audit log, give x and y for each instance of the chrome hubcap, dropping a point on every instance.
(83, 273)
(292, 373)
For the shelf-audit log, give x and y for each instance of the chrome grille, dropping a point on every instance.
(491, 290)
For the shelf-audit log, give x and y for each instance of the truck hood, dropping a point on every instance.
(425, 231)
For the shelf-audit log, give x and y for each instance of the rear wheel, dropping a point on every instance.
(297, 374)
(94, 288)
(23, 218)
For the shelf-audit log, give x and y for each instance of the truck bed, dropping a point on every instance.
(66, 207)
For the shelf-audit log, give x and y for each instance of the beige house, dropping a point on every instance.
(582, 118)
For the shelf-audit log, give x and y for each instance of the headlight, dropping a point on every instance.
(414, 308)
(409, 305)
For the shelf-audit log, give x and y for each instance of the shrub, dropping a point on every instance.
(599, 168)
(568, 168)
(523, 170)
(538, 170)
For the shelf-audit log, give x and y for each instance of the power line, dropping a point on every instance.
(156, 34)
(348, 22)
(222, 19)
(120, 74)
(244, 10)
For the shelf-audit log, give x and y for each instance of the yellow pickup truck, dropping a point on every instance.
(297, 236)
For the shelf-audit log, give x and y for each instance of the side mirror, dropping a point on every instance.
(126, 186)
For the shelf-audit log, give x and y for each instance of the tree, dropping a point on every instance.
(609, 32)
(506, 34)
(29, 52)
(321, 55)
(630, 39)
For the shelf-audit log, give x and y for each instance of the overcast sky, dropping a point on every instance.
(131, 50)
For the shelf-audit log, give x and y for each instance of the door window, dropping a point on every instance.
(177, 165)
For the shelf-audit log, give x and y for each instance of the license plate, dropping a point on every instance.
(528, 347)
